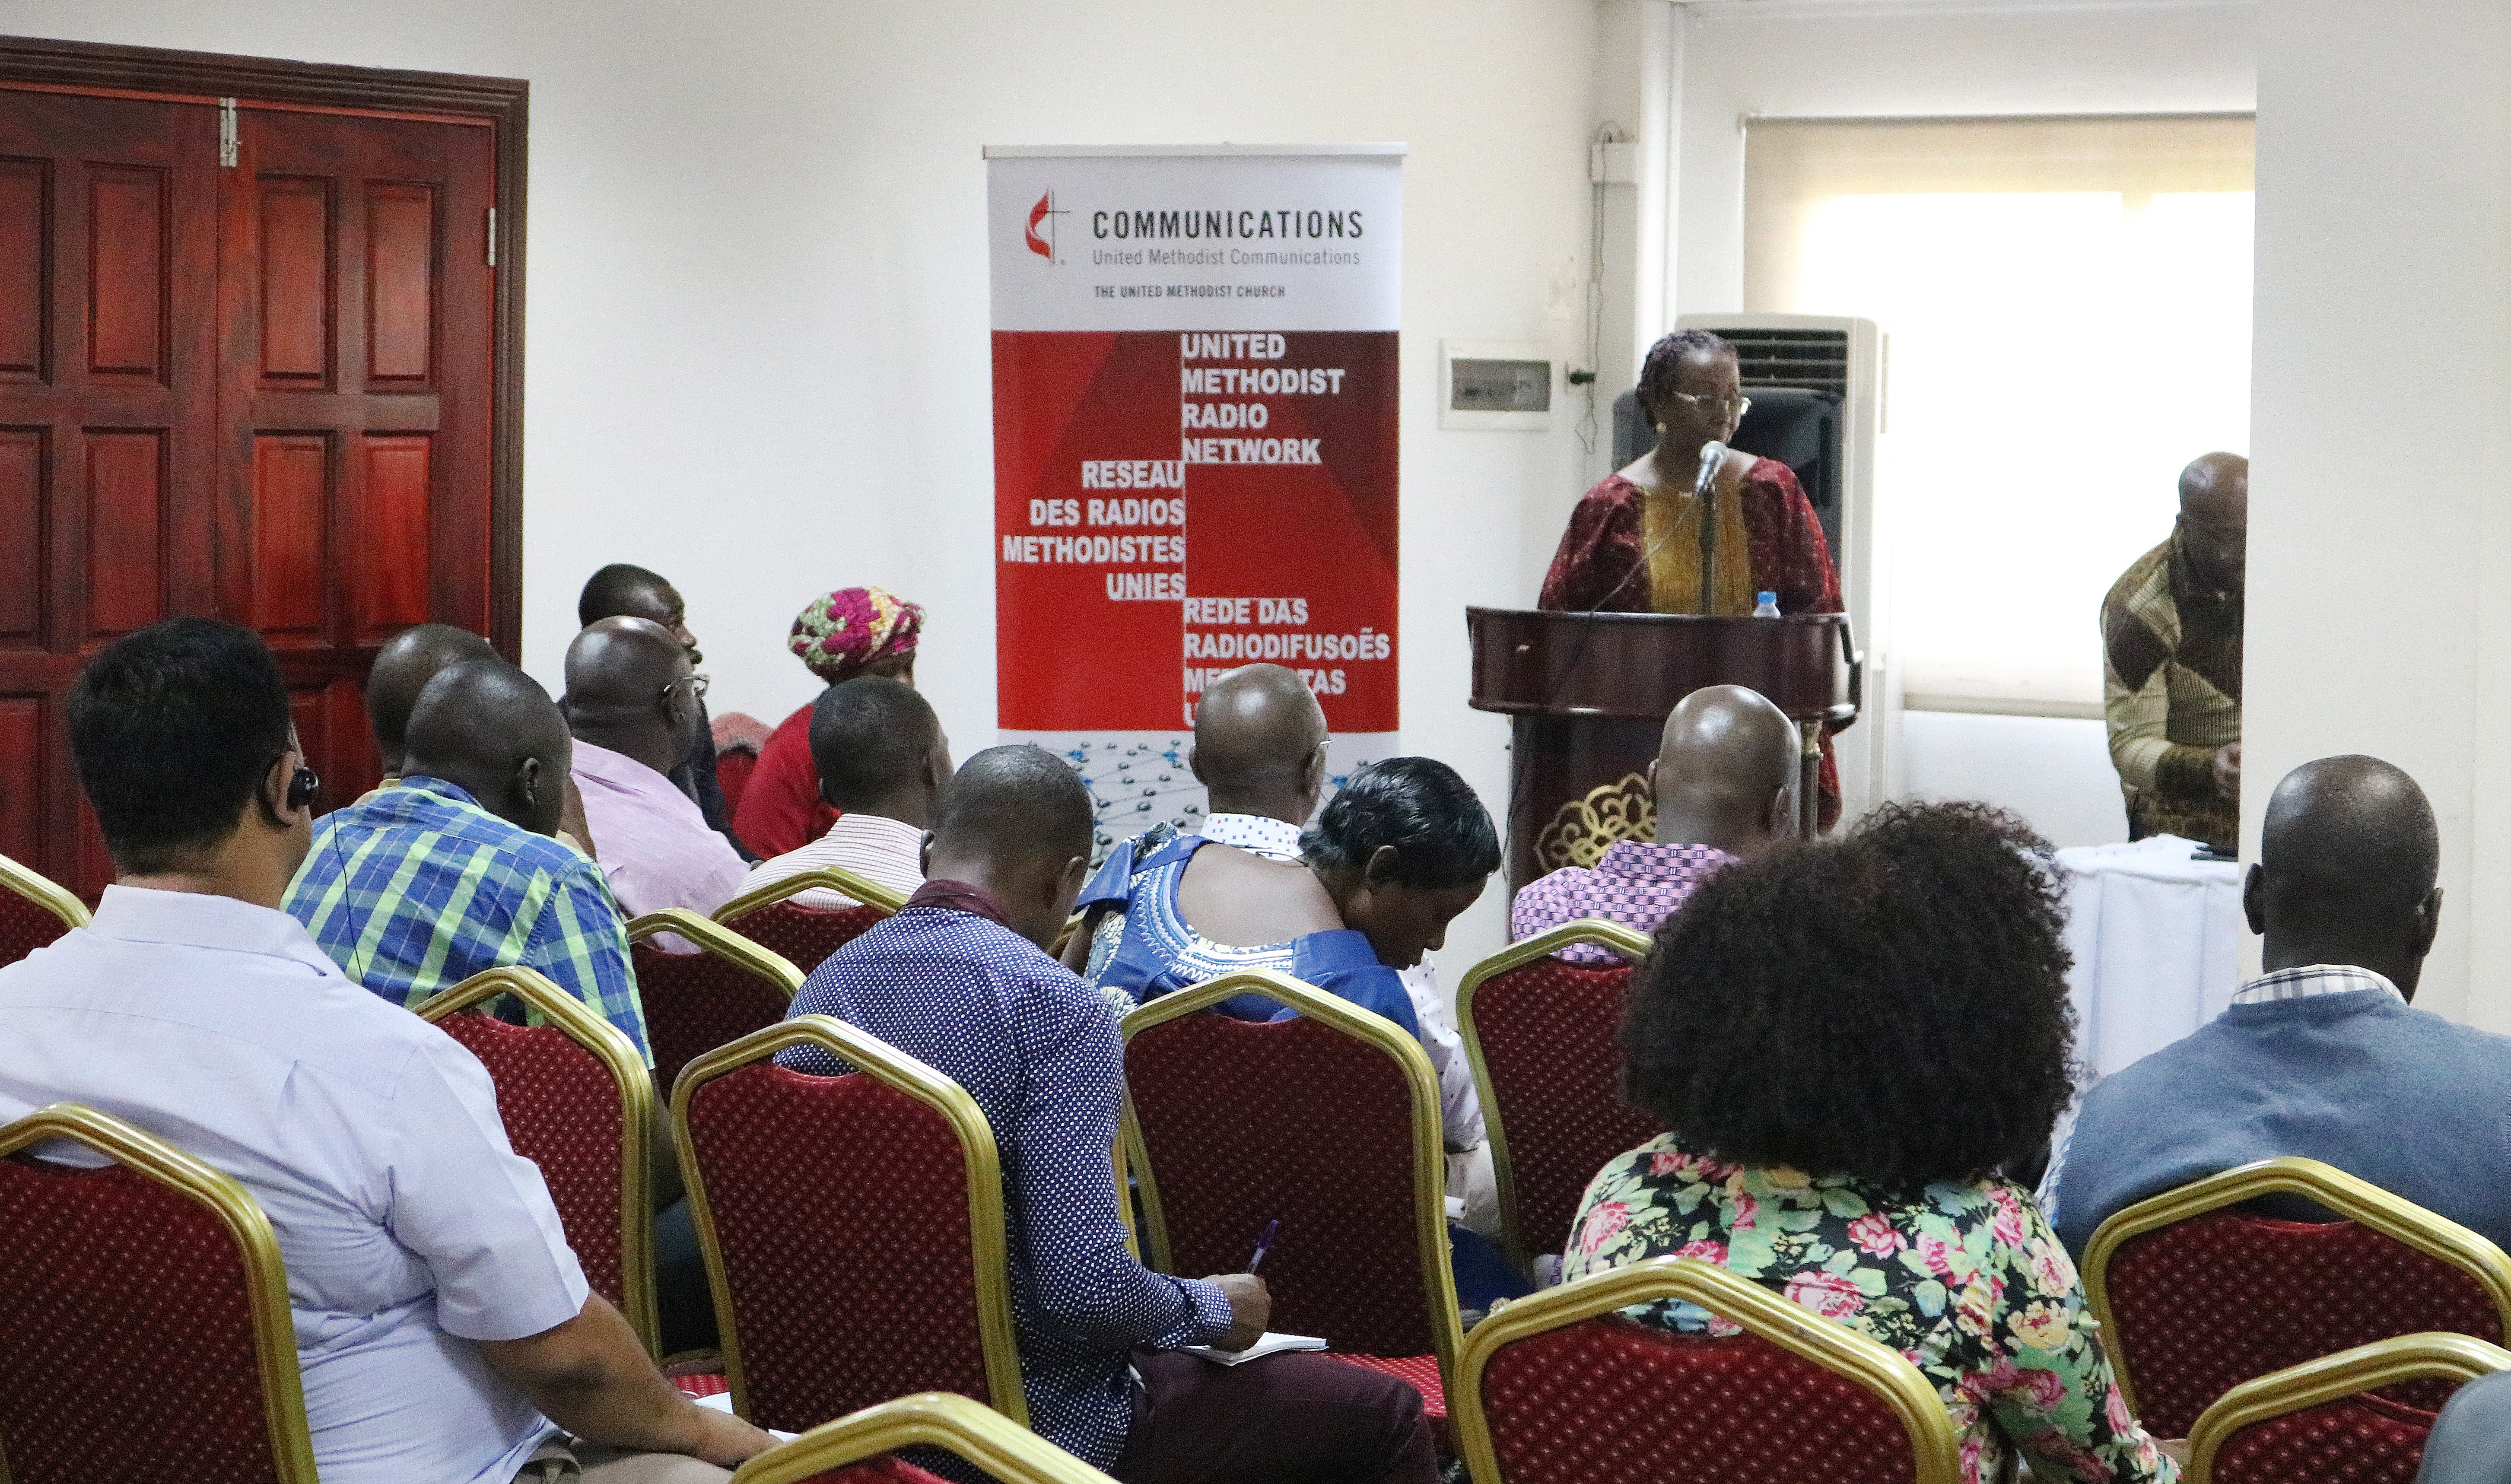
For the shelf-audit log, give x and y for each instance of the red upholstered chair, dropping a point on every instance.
(852, 1227)
(579, 1102)
(33, 912)
(695, 1002)
(145, 1313)
(806, 935)
(2321, 1420)
(2198, 1296)
(737, 736)
(861, 1449)
(1328, 1124)
(1545, 1038)
(1561, 1389)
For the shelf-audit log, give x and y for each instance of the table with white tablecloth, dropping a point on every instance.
(2156, 937)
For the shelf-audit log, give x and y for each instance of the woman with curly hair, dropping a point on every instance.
(1848, 1039)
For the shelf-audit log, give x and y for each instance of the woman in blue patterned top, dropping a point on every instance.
(1849, 1039)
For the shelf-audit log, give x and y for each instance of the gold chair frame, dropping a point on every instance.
(865, 891)
(896, 1070)
(1429, 1148)
(611, 1048)
(2357, 1200)
(1871, 1365)
(2331, 1377)
(1630, 942)
(943, 1420)
(274, 1331)
(43, 892)
(722, 942)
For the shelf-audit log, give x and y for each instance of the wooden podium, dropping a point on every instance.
(1588, 695)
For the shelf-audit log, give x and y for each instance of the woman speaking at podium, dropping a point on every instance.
(1636, 542)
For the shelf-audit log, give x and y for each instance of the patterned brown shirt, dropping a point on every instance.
(2170, 661)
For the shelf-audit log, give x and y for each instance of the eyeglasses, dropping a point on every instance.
(1733, 406)
(697, 685)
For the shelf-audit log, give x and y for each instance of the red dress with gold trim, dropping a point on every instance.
(1601, 565)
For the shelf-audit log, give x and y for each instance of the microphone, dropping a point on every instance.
(1712, 455)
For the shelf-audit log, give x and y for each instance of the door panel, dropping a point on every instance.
(25, 202)
(261, 391)
(296, 283)
(23, 502)
(291, 501)
(22, 734)
(126, 532)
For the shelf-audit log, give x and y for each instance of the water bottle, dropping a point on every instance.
(1765, 605)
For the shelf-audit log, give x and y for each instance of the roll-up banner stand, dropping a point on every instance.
(1194, 447)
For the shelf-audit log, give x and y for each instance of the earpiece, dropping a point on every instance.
(304, 785)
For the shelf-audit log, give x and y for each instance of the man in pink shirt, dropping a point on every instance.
(633, 705)
(1725, 781)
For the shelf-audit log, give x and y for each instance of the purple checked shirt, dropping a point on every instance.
(1636, 884)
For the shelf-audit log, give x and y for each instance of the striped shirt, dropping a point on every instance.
(418, 888)
(886, 852)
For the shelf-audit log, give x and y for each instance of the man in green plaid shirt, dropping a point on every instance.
(453, 870)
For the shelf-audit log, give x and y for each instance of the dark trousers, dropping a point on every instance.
(685, 1306)
(1290, 1419)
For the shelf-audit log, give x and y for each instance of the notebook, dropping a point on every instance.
(1270, 1344)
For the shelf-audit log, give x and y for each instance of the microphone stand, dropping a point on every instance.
(1704, 488)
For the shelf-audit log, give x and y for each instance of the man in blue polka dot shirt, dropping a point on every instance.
(961, 979)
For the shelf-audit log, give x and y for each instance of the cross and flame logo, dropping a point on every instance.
(1043, 214)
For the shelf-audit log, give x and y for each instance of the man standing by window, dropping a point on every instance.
(2171, 662)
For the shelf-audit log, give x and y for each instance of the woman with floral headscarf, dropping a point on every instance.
(850, 631)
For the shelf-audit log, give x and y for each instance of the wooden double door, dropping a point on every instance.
(246, 357)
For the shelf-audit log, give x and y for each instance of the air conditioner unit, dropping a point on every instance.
(1816, 382)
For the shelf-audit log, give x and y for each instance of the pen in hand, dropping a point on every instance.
(1263, 1244)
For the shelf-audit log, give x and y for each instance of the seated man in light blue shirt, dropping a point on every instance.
(2323, 1057)
(443, 1327)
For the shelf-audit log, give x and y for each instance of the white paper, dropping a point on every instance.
(1271, 1343)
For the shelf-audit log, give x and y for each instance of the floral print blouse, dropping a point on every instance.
(1966, 1280)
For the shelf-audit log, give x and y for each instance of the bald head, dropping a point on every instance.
(1259, 740)
(1726, 772)
(488, 728)
(2345, 871)
(2215, 518)
(2216, 481)
(403, 667)
(1017, 821)
(626, 691)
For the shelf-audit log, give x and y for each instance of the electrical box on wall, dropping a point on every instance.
(1502, 386)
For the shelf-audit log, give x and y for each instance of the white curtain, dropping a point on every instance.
(2066, 302)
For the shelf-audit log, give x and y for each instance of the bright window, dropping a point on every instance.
(2068, 309)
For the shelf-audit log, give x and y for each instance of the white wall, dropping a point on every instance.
(1859, 58)
(757, 312)
(2379, 553)
(2036, 767)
